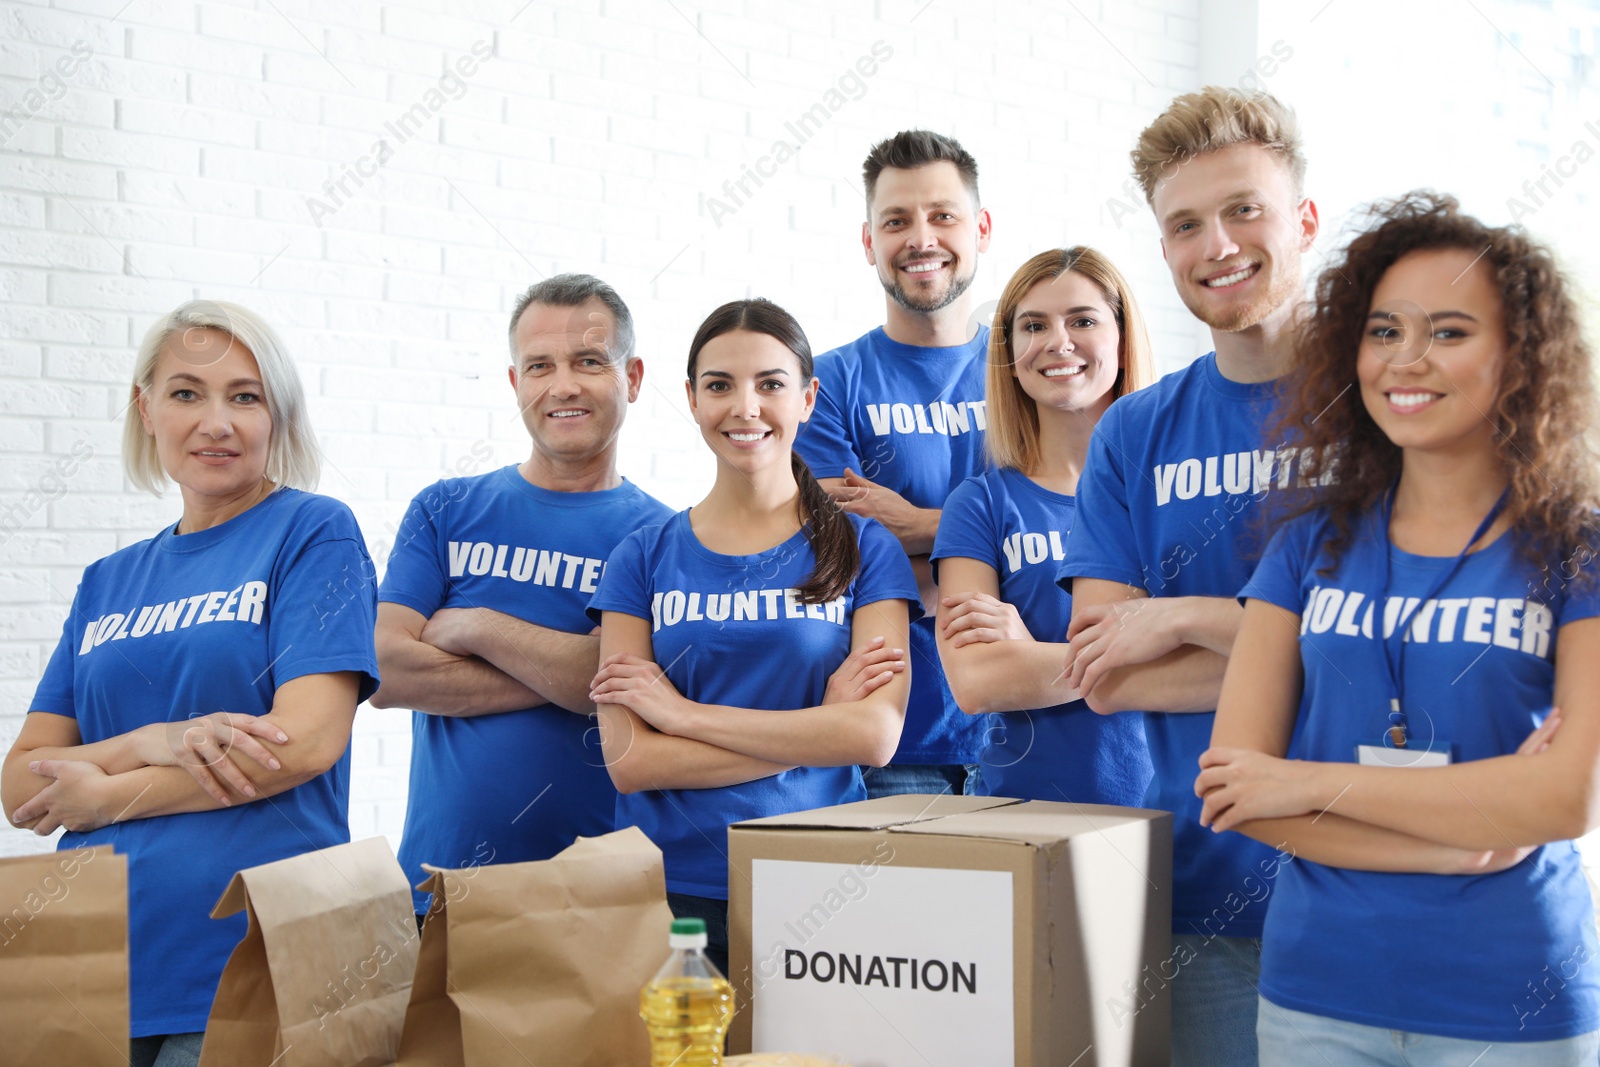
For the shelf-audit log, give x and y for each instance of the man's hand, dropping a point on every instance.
(914, 527)
(1121, 634)
(452, 630)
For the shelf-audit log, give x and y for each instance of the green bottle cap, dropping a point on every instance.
(688, 926)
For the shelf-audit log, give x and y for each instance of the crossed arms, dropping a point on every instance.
(1472, 817)
(51, 779)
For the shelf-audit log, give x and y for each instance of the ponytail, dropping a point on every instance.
(832, 536)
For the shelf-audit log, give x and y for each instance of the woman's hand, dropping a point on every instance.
(643, 687)
(864, 671)
(974, 618)
(1241, 785)
(1501, 859)
(75, 799)
(1539, 740)
(1461, 861)
(201, 746)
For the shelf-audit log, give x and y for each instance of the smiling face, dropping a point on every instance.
(571, 392)
(1066, 344)
(924, 233)
(1233, 232)
(207, 410)
(1432, 352)
(748, 399)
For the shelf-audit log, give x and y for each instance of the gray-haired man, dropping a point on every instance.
(481, 625)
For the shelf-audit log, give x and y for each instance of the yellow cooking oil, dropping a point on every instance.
(688, 1019)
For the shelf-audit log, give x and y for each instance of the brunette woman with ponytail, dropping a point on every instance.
(752, 648)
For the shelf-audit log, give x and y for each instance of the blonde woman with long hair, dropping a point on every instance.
(1067, 341)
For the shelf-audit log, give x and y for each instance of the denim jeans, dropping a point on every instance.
(1295, 1038)
(1214, 1001)
(898, 779)
(167, 1050)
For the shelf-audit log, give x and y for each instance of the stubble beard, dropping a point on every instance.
(1283, 287)
(958, 286)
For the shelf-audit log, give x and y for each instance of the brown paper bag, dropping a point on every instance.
(324, 971)
(541, 962)
(64, 959)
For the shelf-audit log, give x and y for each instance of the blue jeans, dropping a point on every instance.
(898, 779)
(167, 1050)
(1214, 1001)
(1294, 1037)
(715, 914)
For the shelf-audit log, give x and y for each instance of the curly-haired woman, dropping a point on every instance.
(1413, 630)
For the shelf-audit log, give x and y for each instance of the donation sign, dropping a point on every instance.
(888, 966)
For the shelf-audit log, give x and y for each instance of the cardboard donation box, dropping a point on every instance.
(64, 959)
(953, 931)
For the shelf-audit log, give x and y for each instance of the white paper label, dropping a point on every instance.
(1383, 756)
(883, 966)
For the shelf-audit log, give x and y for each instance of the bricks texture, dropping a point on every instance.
(381, 179)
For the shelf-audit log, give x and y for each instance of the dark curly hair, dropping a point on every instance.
(1544, 413)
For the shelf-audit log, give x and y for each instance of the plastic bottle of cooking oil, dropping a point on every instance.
(688, 1005)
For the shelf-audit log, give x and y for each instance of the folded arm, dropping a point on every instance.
(1335, 841)
(854, 724)
(638, 756)
(915, 528)
(424, 677)
(864, 730)
(1249, 787)
(556, 663)
(46, 786)
(1544, 792)
(990, 659)
(1132, 652)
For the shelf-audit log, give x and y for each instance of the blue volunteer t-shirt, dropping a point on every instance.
(519, 785)
(1501, 957)
(912, 420)
(216, 620)
(1008, 521)
(728, 630)
(1170, 502)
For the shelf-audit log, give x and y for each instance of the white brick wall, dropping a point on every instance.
(176, 156)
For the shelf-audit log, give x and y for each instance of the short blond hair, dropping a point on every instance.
(292, 453)
(1212, 119)
(1012, 434)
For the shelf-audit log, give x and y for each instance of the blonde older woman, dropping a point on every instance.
(216, 664)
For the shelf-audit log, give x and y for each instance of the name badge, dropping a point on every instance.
(1436, 755)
